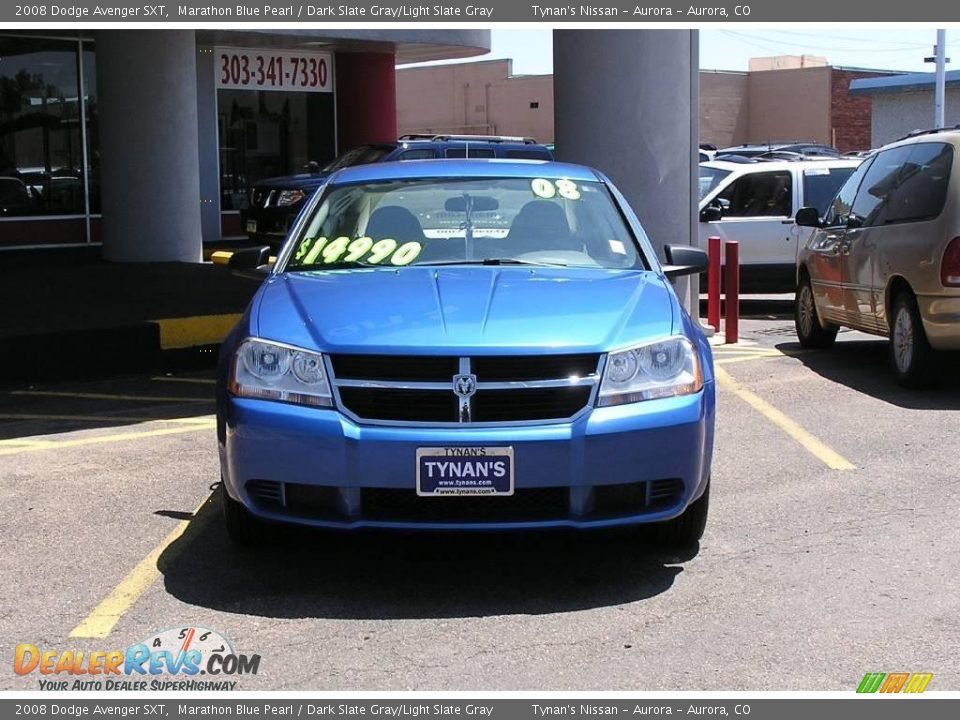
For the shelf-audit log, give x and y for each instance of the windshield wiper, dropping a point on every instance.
(333, 266)
(492, 261)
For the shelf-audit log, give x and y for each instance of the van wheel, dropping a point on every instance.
(911, 356)
(243, 529)
(810, 331)
(687, 529)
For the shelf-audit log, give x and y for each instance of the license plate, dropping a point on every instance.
(464, 471)
(251, 226)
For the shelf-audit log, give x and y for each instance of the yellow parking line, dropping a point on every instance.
(24, 443)
(108, 396)
(741, 358)
(197, 381)
(101, 621)
(822, 452)
(100, 439)
(97, 418)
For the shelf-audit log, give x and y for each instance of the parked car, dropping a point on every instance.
(467, 344)
(275, 202)
(885, 256)
(754, 203)
(808, 149)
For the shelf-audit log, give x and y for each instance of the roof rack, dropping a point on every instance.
(931, 131)
(470, 138)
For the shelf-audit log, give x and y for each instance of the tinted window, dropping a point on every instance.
(419, 154)
(881, 178)
(838, 211)
(362, 155)
(474, 153)
(528, 155)
(820, 185)
(768, 194)
(921, 188)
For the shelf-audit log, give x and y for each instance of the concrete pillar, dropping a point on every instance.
(149, 172)
(626, 102)
(366, 87)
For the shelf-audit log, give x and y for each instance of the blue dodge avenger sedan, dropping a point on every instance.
(471, 345)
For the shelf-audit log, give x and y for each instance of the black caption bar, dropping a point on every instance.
(487, 11)
(874, 708)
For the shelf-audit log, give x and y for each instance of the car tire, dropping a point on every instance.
(911, 356)
(686, 529)
(810, 331)
(243, 529)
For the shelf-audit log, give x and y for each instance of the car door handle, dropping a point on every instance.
(788, 221)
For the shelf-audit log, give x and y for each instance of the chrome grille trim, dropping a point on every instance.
(591, 380)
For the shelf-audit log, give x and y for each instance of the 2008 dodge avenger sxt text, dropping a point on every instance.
(467, 345)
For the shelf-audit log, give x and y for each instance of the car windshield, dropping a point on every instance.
(709, 179)
(506, 220)
(362, 155)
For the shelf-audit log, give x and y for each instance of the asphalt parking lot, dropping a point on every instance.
(831, 550)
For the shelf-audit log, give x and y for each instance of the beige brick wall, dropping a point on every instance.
(724, 108)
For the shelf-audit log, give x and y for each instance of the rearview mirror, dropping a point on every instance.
(250, 263)
(684, 260)
(480, 203)
(808, 217)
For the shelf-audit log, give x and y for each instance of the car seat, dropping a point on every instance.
(540, 225)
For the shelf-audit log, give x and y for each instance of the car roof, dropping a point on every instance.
(951, 136)
(767, 165)
(464, 168)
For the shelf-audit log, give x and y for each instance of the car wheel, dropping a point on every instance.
(687, 529)
(911, 356)
(243, 529)
(810, 331)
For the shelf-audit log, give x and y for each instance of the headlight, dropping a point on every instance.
(655, 370)
(289, 197)
(271, 371)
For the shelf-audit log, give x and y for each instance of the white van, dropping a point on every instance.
(754, 203)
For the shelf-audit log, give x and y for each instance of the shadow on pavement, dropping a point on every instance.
(313, 574)
(862, 365)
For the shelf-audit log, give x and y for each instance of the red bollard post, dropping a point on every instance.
(713, 282)
(732, 328)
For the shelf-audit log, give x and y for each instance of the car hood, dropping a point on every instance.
(422, 310)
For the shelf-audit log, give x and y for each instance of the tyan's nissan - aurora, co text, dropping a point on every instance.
(469, 344)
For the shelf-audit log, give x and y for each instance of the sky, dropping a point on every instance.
(532, 50)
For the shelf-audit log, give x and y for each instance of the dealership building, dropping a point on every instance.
(147, 141)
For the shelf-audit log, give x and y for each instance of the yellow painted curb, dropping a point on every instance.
(193, 331)
(221, 257)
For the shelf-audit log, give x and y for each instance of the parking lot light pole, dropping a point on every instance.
(940, 93)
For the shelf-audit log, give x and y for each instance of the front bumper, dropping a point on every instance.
(268, 225)
(636, 463)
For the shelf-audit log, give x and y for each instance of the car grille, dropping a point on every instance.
(506, 389)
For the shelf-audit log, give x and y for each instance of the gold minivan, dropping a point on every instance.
(885, 259)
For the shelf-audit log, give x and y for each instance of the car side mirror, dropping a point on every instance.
(854, 222)
(711, 213)
(251, 263)
(684, 260)
(808, 217)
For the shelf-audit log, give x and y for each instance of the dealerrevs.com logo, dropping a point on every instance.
(187, 658)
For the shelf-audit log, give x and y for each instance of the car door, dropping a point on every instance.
(758, 213)
(825, 259)
(866, 227)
